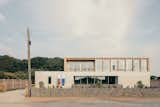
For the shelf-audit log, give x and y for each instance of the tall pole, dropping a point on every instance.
(29, 62)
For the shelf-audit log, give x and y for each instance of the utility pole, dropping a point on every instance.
(29, 63)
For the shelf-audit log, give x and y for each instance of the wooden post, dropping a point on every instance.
(29, 63)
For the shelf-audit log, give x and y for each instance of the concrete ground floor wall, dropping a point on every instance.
(77, 92)
(126, 79)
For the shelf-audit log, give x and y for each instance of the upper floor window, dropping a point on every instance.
(81, 66)
(113, 67)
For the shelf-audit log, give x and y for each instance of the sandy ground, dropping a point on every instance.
(16, 99)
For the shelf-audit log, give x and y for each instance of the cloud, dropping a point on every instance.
(2, 18)
(86, 28)
(4, 50)
(92, 23)
(3, 3)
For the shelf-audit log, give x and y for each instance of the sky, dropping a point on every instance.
(82, 28)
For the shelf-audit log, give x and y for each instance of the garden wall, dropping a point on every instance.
(78, 92)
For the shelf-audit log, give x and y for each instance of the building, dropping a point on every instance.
(123, 71)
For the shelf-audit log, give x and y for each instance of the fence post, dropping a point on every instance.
(4, 83)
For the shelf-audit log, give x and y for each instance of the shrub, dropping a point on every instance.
(41, 84)
(140, 84)
(99, 84)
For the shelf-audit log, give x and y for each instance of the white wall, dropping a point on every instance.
(127, 79)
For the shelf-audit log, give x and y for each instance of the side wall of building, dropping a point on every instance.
(126, 79)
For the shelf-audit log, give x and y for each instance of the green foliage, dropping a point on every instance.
(140, 84)
(13, 75)
(50, 64)
(99, 84)
(41, 84)
(11, 64)
(13, 68)
(55, 64)
(153, 77)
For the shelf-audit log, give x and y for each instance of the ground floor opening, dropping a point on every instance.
(95, 80)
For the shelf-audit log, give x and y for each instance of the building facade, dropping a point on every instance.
(123, 71)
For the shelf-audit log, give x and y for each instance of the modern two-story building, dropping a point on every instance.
(123, 71)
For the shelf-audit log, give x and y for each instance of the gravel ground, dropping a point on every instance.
(16, 99)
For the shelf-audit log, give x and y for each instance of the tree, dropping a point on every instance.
(55, 64)
(8, 63)
(15, 68)
(11, 64)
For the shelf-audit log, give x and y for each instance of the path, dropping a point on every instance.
(16, 99)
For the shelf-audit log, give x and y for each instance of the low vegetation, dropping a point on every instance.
(140, 84)
(41, 84)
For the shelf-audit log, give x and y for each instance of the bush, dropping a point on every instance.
(41, 84)
(140, 84)
(99, 84)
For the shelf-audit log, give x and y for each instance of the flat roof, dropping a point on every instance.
(109, 58)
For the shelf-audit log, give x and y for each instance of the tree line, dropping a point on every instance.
(11, 64)
(11, 67)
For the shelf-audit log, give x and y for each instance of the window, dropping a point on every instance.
(84, 80)
(129, 65)
(112, 80)
(81, 65)
(77, 80)
(113, 67)
(106, 81)
(98, 65)
(121, 65)
(49, 80)
(95, 79)
(143, 65)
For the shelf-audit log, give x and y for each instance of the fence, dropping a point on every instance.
(77, 92)
(155, 83)
(11, 84)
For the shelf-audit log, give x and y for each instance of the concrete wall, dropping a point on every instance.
(155, 83)
(125, 78)
(77, 92)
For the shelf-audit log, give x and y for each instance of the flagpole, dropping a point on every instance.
(29, 63)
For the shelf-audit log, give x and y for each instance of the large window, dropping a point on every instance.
(81, 66)
(129, 65)
(106, 80)
(112, 80)
(143, 65)
(95, 79)
(121, 65)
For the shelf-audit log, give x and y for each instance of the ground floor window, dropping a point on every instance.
(49, 80)
(95, 79)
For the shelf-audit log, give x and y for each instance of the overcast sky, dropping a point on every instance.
(82, 28)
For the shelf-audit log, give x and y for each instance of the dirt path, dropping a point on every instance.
(16, 99)
(16, 96)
